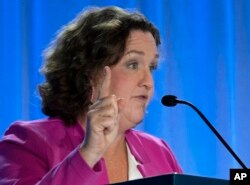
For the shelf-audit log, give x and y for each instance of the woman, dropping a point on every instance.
(98, 83)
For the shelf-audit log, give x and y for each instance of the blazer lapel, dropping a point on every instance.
(146, 167)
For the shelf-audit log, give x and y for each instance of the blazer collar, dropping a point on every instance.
(136, 147)
(145, 166)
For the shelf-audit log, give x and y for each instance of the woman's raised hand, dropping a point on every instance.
(102, 122)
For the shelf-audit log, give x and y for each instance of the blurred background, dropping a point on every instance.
(205, 59)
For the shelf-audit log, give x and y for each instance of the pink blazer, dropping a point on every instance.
(46, 152)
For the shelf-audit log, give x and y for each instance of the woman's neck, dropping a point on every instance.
(116, 159)
(119, 146)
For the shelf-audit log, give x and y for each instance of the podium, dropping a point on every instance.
(176, 179)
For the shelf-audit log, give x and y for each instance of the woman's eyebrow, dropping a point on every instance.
(135, 51)
(139, 53)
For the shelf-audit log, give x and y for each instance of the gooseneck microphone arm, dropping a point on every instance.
(170, 100)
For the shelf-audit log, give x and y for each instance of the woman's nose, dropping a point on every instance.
(147, 79)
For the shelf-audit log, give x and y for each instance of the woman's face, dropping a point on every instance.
(131, 77)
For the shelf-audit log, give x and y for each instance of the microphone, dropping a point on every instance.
(171, 101)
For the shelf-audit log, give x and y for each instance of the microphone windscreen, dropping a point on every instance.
(169, 100)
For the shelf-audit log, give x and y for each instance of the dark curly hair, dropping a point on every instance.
(75, 59)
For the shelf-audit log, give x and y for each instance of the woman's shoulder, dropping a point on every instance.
(40, 126)
(42, 136)
(48, 130)
(36, 137)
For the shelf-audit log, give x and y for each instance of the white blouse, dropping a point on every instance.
(133, 172)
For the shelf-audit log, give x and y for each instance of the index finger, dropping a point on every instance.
(104, 88)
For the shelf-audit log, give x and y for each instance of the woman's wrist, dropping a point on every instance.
(90, 157)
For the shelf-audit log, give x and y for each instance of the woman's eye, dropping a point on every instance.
(153, 67)
(133, 65)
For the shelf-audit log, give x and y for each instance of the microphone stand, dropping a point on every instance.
(214, 131)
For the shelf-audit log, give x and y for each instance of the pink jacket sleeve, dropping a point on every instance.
(73, 170)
